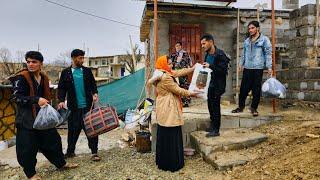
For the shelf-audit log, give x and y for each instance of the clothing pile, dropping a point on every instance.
(140, 115)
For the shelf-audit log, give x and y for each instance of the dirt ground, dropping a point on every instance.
(289, 153)
(292, 151)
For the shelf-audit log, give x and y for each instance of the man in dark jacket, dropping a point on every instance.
(78, 84)
(31, 90)
(217, 61)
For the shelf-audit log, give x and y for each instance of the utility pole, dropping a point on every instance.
(155, 28)
(238, 53)
(38, 47)
(273, 34)
(133, 54)
(316, 34)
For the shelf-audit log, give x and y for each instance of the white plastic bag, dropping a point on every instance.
(273, 88)
(131, 119)
(157, 74)
(3, 145)
(203, 89)
(47, 118)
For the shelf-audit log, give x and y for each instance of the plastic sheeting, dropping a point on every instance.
(124, 93)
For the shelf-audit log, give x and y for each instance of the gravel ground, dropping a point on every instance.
(288, 154)
(120, 163)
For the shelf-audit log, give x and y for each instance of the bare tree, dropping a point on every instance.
(8, 64)
(20, 56)
(63, 59)
(128, 59)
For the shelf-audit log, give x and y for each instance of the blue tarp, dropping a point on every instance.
(123, 93)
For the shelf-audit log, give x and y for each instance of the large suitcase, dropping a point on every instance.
(99, 120)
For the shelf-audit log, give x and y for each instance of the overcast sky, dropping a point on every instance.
(27, 23)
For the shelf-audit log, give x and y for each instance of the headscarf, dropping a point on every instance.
(162, 64)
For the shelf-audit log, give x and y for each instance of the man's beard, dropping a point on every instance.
(254, 34)
(78, 64)
(209, 49)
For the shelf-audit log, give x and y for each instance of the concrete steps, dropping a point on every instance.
(225, 161)
(221, 151)
(196, 119)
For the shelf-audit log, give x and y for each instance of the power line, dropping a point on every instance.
(90, 14)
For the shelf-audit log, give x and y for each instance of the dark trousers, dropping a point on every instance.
(29, 142)
(214, 109)
(251, 81)
(75, 125)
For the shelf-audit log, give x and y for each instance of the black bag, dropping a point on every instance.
(64, 113)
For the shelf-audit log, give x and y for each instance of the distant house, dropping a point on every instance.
(108, 68)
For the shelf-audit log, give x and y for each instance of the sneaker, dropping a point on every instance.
(69, 155)
(238, 110)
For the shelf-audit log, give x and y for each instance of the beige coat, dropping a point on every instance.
(168, 108)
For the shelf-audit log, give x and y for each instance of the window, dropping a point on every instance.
(104, 62)
(90, 63)
(123, 70)
(96, 63)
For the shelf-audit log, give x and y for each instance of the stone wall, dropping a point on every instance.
(302, 75)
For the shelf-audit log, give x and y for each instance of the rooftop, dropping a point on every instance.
(197, 10)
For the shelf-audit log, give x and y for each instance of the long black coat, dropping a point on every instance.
(66, 87)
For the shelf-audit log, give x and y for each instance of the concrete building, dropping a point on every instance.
(290, 4)
(109, 68)
(188, 22)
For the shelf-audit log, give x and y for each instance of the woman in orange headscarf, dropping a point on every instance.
(169, 148)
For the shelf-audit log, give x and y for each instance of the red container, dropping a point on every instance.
(100, 120)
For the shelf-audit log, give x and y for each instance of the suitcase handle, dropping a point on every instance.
(97, 104)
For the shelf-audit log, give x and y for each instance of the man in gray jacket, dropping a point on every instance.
(256, 56)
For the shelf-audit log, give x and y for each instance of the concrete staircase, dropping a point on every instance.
(221, 151)
(236, 134)
(198, 119)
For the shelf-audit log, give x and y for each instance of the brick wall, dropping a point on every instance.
(302, 76)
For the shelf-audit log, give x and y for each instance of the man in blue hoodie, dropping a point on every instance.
(256, 56)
